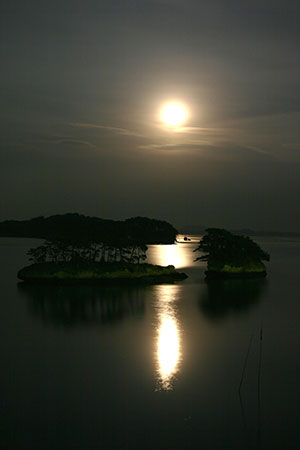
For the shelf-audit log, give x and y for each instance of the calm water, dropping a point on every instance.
(154, 367)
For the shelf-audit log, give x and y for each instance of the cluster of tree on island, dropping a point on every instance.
(219, 248)
(221, 245)
(66, 250)
(79, 247)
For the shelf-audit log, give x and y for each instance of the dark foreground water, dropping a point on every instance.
(156, 367)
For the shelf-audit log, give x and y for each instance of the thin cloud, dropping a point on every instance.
(201, 130)
(161, 146)
(226, 149)
(118, 130)
(65, 141)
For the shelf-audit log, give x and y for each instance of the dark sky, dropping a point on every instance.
(81, 87)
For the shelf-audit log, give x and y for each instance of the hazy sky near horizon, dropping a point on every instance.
(82, 84)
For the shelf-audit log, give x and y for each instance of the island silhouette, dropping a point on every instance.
(90, 250)
(83, 249)
(74, 226)
(231, 256)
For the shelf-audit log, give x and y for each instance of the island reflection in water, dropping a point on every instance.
(168, 348)
(83, 306)
(233, 296)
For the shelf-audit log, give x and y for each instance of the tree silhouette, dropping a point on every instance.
(67, 250)
(221, 247)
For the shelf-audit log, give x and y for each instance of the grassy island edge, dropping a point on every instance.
(99, 273)
(250, 270)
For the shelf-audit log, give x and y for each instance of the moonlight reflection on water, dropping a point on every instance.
(174, 254)
(151, 367)
(168, 352)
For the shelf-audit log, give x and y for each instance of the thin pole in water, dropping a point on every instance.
(245, 363)
(244, 420)
(258, 389)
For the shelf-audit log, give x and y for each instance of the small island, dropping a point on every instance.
(231, 256)
(85, 262)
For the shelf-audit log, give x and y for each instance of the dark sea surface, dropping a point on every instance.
(152, 367)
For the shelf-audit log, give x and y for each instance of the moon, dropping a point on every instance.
(173, 114)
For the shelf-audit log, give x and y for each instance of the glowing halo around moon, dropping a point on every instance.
(173, 114)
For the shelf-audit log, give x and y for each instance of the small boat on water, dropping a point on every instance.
(184, 240)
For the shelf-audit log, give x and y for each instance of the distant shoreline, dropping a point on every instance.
(73, 226)
(251, 233)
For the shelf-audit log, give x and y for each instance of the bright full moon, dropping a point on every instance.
(173, 114)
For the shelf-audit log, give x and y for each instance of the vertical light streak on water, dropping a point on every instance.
(168, 348)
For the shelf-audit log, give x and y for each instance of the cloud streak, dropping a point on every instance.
(222, 149)
(117, 130)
